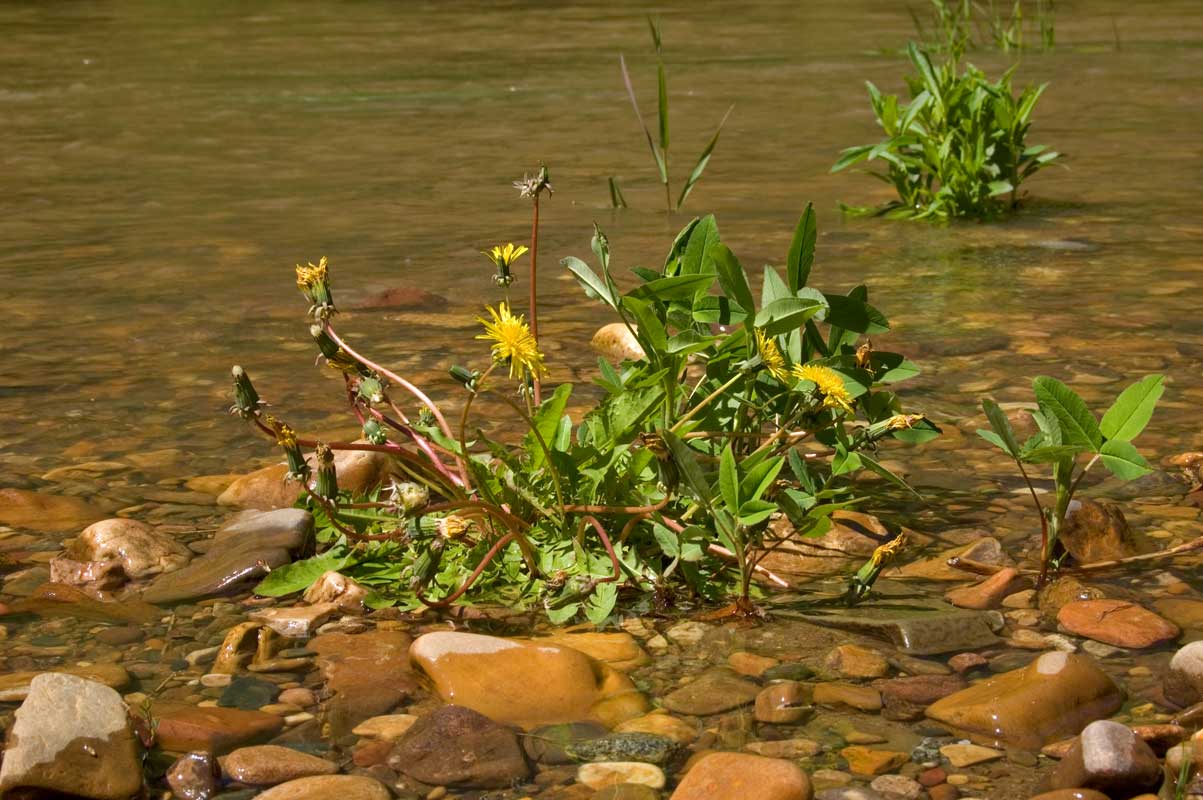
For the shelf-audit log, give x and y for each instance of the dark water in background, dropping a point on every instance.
(165, 164)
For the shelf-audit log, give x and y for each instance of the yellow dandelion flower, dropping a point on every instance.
(512, 342)
(507, 255)
(503, 258)
(452, 527)
(828, 383)
(770, 354)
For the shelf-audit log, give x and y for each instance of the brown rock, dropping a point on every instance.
(1071, 794)
(853, 536)
(1184, 681)
(854, 661)
(456, 746)
(183, 728)
(659, 723)
(297, 622)
(325, 787)
(370, 752)
(964, 662)
(493, 675)
(1184, 612)
(906, 698)
(750, 664)
(194, 776)
(401, 298)
(1064, 590)
(782, 703)
(943, 791)
(984, 550)
(269, 764)
(368, 673)
(986, 594)
(712, 692)
(14, 686)
(1049, 699)
(865, 698)
(620, 651)
(1097, 532)
(1111, 758)
(737, 776)
(49, 513)
(1116, 622)
(141, 550)
(358, 471)
(864, 761)
(61, 600)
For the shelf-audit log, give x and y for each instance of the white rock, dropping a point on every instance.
(140, 549)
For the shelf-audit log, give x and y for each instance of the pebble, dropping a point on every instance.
(750, 664)
(782, 704)
(865, 761)
(899, 785)
(854, 661)
(860, 697)
(609, 773)
(387, 726)
(966, 755)
(267, 765)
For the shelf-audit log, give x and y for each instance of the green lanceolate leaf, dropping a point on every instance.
(547, 421)
(301, 574)
(728, 480)
(687, 464)
(700, 166)
(732, 278)
(1001, 426)
(786, 314)
(594, 286)
(1078, 425)
(1133, 409)
(651, 143)
(801, 255)
(1121, 458)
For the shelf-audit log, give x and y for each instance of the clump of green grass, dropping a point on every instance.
(955, 26)
(958, 148)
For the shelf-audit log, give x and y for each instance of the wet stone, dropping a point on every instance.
(1111, 758)
(739, 776)
(1117, 623)
(712, 692)
(325, 787)
(456, 746)
(194, 776)
(248, 694)
(1028, 707)
(267, 765)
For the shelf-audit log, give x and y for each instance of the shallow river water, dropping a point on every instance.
(166, 165)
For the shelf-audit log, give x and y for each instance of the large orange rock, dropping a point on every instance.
(739, 776)
(1117, 622)
(1052, 698)
(368, 673)
(522, 683)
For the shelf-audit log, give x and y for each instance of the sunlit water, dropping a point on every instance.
(165, 165)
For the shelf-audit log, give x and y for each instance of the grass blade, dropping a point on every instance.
(651, 143)
(703, 160)
(616, 198)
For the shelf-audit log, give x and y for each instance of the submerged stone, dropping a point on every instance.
(223, 570)
(325, 787)
(493, 675)
(1049, 699)
(647, 747)
(61, 600)
(15, 686)
(456, 746)
(184, 728)
(49, 513)
(368, 673)
(1116, 622)
(924, 632)
(713, 692)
